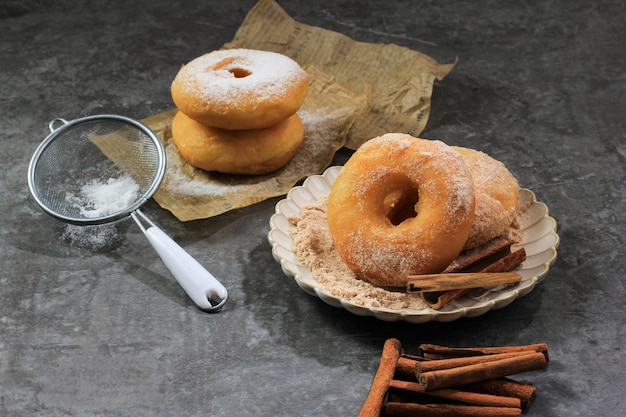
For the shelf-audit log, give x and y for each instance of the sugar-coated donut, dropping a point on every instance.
(240, 88)
(497, 194)
(250, 152)
(401, 206)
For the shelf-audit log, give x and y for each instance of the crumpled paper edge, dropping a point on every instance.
(189, 193)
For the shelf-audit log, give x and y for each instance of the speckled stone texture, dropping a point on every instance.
(539, 85)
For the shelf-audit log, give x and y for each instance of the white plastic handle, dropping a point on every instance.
(200, 285)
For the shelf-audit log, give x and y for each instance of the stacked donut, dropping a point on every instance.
(237, 111)
(405, 206)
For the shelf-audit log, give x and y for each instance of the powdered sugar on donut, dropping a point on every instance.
(235, 77)
(240, 88)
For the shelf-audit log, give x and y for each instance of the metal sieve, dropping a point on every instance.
(103, 168)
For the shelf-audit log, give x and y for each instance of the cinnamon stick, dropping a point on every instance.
(438, 299)
(468, 397)
(410, 356)
(506, 387)
(438, 364)
(508, 262)
(482, 371)
(406, 385)
(380, 385)
(474, 256)
(455, 281)
(431, 351)
(448, 410)
(405, 368)
(475, 398)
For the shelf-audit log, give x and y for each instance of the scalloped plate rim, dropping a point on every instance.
(499, 301)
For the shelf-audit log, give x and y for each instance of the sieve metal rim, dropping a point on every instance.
(53, 135)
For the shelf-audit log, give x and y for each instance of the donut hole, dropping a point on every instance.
(229, 64)
(239, 72)
(401, 205)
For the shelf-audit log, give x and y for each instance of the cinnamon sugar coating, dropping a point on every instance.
(401, 206)
(497, 194)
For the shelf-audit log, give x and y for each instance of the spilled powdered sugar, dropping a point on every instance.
(321, 129)
(93, 238)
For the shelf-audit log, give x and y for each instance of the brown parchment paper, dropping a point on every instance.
(327, 113)
(401, 80)
(357, 91)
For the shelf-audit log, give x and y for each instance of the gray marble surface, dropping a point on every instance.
(107, 332)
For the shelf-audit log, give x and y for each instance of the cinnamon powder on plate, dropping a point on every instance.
(312, 244)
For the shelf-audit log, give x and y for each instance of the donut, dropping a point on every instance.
(249, 152)
(240, 88)
(497, 195)
(400, 206)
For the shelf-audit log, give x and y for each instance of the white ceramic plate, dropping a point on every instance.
(540, 241)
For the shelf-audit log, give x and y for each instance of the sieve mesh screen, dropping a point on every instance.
(91, 151)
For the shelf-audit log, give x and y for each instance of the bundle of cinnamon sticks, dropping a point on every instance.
(453, 382)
